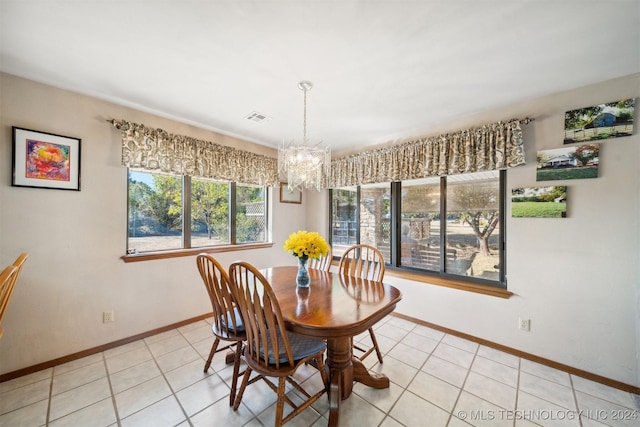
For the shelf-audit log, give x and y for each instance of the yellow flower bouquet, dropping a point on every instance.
(306, 244)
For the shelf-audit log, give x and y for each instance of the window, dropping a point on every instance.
(344, 219)
(447, 226)
(171, 213)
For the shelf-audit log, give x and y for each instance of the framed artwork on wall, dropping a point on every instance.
(289, 196)
(539, 202)
(576, 162)
(611, 120)
(45, 160)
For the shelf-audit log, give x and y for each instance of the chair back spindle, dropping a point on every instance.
(323, 263)
(363, 261)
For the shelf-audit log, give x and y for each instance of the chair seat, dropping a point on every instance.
(301, 347)
(238, 321)
(227, 331)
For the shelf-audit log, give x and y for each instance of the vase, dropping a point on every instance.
(302, 278)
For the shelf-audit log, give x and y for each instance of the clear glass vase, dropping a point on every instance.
(302, 278)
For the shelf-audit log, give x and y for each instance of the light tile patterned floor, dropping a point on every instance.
(436, 380)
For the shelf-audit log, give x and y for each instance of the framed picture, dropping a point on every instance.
(539, 202)
(611, 120)
(575, 162)
(45, 160)
(289, 196)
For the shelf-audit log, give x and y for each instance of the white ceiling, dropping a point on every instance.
(382, 70)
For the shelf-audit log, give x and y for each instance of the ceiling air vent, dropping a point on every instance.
(257, 117)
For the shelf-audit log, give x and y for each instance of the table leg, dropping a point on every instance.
(343, 369)
(372, 379)
(340, 370)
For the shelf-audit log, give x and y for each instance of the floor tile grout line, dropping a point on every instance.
(515, 406)
(162, 373)
(418, 371)
(461, 388)
(46, 420)
(575, 401)
(111, 391)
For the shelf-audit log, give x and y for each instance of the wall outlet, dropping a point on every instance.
(524, 324)
(107, 316)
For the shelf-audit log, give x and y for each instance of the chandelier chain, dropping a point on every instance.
(304, 125)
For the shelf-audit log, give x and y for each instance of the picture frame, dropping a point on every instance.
(45, 160)
(539, 202)
(289, 196)
(573, 162)
(598, 122)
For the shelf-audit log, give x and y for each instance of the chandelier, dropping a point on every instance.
(306, 167)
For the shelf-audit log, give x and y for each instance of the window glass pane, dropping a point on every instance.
(473, 234)
(155, 212)
(251, 214)
(209, 213)
(420, 228)
(375, 217)
(344, 220)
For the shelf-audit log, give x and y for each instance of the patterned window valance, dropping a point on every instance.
(490, 147)
(157, 150)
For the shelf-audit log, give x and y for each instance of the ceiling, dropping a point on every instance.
(382, 71)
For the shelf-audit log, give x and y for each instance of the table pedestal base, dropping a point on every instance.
(343, 369)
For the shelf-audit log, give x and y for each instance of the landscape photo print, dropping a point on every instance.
(576, 162)
(610, 120)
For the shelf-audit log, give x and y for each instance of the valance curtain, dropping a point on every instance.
(160, 151)
(490, 147)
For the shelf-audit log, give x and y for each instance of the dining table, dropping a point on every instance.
(336, 308)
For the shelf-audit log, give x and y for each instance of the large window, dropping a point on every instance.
(446, 226)
(170, 213)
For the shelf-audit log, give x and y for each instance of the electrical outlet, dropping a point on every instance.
(107, 316)
(524, 324)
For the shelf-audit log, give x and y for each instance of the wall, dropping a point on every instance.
(75, 239)
(577, 278)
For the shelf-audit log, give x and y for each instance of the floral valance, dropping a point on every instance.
(158, 150)
(490, 147)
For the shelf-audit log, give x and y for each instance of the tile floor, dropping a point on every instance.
(436, 380)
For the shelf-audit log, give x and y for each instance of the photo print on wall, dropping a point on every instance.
(611, 120)
(577, 162)
(539, 202)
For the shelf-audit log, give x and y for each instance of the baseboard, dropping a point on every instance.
(570, 369)
(84, 353)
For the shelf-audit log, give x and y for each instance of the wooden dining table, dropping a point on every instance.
(336, 308)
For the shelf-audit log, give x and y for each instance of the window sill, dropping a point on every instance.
(452, 283)
(148, 256)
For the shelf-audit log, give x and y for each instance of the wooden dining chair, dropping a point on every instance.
(322, 263)
(271, 351)
(6, 277)
(8, 285)
(365, 262)
(227, 320)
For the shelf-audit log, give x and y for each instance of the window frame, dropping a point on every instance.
(442, 278)
(187, 249)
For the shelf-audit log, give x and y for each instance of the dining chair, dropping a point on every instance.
(8, 285)
(365, 262)
(227, 321)
(271, 350)
(322, 263)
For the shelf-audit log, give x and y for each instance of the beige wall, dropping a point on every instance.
(577, 279)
